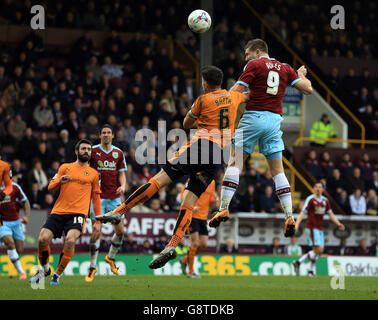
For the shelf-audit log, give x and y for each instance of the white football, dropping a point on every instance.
(199, 21)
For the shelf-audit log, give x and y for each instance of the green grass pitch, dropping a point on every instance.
(148, 287)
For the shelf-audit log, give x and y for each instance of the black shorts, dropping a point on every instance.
(198, 225)
(201, 161)
(58, 223)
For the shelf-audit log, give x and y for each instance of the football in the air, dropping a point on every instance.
(199, 21)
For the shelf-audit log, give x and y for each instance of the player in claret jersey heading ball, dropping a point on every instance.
(316, 206)
(267, 79)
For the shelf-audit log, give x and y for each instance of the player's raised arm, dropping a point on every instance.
(26, 206)
(7, 183)
(58, 179)
(192, 115)
(304, 84)
(238, 87)
(299, 220)
(336, 221)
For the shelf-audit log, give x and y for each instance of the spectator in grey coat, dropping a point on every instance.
(43, 115)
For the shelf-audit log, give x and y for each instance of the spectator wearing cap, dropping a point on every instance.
(322, 129)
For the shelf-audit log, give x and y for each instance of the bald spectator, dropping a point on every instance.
(362, 249)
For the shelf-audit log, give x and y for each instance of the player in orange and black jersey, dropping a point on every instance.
(79, 185)
(5, 178)
(215, 113)
(199, 234)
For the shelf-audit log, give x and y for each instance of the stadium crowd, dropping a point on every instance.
(354, 185)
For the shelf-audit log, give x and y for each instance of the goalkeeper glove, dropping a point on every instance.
(2, 196)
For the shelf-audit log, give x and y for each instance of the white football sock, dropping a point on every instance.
(306, 256)
(229, 185)
(13, 256)
(313, 263)
(93, 250)
(115, 246)
(283, 193)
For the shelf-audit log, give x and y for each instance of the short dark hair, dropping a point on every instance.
(107, 126)
(318, 182)
(82, 141)
(257, 44)
(212, 75)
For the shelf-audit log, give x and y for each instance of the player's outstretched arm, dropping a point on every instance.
(237, 87)
(299, 220)
(336, 221)
(304, 85)
(8, 185)
(26, 206)
(189, 121)
(96, 200)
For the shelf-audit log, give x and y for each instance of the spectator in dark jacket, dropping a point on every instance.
(312, 165)
(346, 165)
(229, 247)
(160, 244)
(275, 248)
(343, 201)
(356, 181)
(267, 201)
(130, 245)
(336, 183)
(362, 249)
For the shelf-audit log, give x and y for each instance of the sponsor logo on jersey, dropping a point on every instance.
(106, 165)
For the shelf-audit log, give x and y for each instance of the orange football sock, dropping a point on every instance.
(139, 196)
(182, 224)
(43, 254)
(65, 258)
(186, 258)
(191, 254)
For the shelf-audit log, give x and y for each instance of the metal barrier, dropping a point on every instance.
(362, 142)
